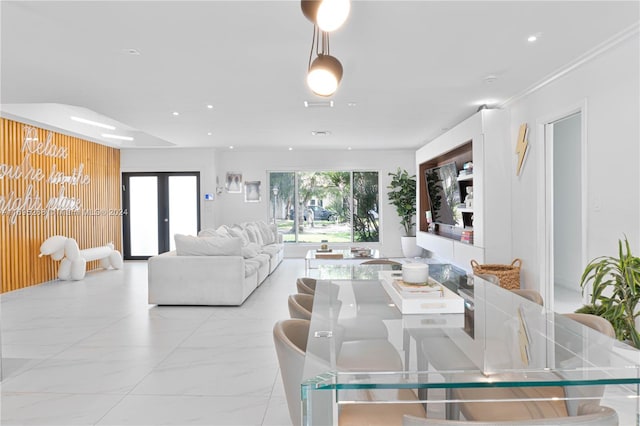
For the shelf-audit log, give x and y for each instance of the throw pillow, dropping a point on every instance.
(256, 232)
(209, 232)
(188, 245)
(265, 231)
(240, 233)
(249, 251)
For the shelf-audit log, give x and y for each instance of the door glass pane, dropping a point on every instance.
(282, 188)
(143, 215)
(183, 206)
(365, 206)
(322, 210)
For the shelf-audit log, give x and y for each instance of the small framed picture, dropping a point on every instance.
(233, 183)
(252, 192)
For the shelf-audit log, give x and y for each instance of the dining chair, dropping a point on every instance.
(559, 401)
(290, 339)
(300, 306)
(593, 393)
(592, 415)
(528, 294)
(393, 263)
(306, 285)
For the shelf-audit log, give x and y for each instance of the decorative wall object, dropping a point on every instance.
(521, 146)
(53, 184)
(252, 192)
(233, 182)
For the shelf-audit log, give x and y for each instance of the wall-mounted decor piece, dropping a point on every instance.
(521, 146)
(252, 192)
(233, 183)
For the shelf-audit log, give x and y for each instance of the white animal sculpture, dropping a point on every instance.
(74, 260)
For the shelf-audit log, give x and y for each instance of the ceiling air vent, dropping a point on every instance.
(318, 104)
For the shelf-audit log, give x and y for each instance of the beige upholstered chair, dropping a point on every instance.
(300, 306)
(306, 285)
(558, 406)
(290, 338)
(594, 393)
(591, 415)
(393, 263)
(532, 295)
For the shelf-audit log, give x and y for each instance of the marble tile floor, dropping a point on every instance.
(94, 352)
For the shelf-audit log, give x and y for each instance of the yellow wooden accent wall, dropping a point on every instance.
(96, 223)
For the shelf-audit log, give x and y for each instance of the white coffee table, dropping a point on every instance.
(336, 256)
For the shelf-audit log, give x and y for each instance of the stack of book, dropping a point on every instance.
(431, 289)
(467, 236)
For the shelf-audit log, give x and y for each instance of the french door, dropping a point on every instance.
(158, 206)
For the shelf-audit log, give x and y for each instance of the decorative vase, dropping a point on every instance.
(410, 248)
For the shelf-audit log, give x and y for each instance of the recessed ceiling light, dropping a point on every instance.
(209, 133)
(122, 138)
(290, 149)
(175, 113)
(352, 104)
(230, 146)
(349, 148)
(486, 102)
(92, 123)
(318, 104)
(533, 37)
(321, 133)
(134, 52)
(210, 106)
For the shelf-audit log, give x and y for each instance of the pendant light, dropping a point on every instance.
(325, 71)
(328, 15)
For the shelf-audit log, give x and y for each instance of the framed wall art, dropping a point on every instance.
(233, 183)
(252, 192)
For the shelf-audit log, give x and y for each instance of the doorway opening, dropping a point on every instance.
(565, 212)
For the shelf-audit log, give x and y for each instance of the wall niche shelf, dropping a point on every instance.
(481, 139)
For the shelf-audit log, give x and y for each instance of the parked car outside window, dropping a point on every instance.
(319, 213)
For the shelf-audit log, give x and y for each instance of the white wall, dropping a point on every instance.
(178, 160)
(609, 85)
(256, 165)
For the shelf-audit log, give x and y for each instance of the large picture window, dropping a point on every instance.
(332, 206)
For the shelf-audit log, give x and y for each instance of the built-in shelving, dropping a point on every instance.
(480, 137)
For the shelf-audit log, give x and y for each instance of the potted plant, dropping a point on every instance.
(615, 291)
(402, 196)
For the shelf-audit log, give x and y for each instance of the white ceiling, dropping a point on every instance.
(412, 68)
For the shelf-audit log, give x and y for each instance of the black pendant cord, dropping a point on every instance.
(313, 44)
(319, 42)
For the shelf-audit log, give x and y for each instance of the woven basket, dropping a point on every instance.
(509, 275)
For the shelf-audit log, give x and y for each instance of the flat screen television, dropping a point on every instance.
(444, 194)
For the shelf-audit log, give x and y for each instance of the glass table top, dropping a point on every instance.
(501, 340)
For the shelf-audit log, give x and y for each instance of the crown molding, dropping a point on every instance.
(577, 63)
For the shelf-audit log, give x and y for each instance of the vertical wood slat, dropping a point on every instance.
(20, 242)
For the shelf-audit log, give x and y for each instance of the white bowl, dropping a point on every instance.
(415, 273)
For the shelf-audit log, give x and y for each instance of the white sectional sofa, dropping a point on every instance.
(218, 267)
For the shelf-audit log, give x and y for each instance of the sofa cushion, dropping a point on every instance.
(271, 250)
(265, 231)
(209, 232)
(254, 233)
(249, 251)
(188, 245)
(223, 230)
(240, 233)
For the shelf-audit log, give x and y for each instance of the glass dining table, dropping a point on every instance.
(502, 349)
